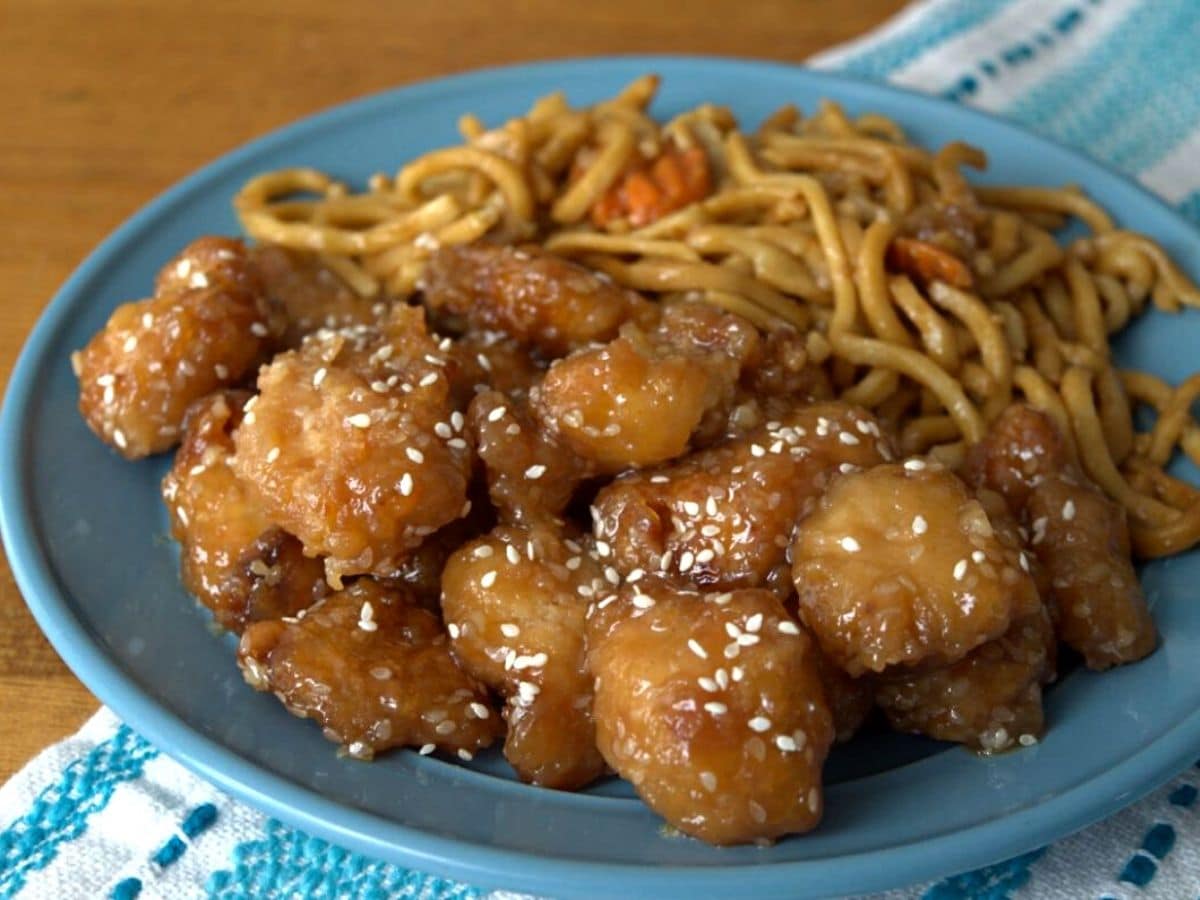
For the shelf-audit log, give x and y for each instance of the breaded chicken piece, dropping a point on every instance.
(206, 328)
(530, 475)
(483, 360)
(375, 672)
(711, 705)
(1079, 536)
(309, 294)
(515, 614)
(235, 560)
(900, 566)
(1081, 539)
(723, 517)
(349, 445)
(531, 295)
(991, 700)
(1022, 448)
(779, 379)
(638, 400)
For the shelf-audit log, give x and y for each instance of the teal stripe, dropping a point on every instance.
(894, 53)
(60, 813)
(1135, 95)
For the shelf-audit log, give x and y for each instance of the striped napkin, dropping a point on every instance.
(104, 814)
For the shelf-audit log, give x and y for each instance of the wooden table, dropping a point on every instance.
(106, 104)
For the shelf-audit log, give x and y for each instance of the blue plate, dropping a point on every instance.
(85, 533)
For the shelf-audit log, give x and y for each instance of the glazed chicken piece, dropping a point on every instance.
(637, 400)
(711, 705)
(1080, 537)
(375, 671)
(991, 700)
(530, 475)
(900, 566)
(309, 294)
(207, 327)
(483, 360)
(772, 385)
(723, 517)
(531, 295)
(235, 560)
(350, 445)
(515, 602)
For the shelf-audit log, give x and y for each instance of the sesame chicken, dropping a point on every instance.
(711, 705)
(638, 400)
(206, 327)
(723, 517)
(515, 608)
(344, 445)
(235, 560)
(531, 295)
(374, 670)
(900, 566)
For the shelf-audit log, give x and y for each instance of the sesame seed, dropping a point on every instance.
(527, 690)
(722, 678)
(705, 556)
(428, 379)
(847, 438)
(716, 708)
(488, 579)
(272, 454)
(756, 450)
(709, 780)
(694, 646)
(710, 506)
(914, 465)
(478, 710)
(573, 563)
(602, 548)
(707, 684)
(359, 420)
(1027, 740)
(722, 599)
(406, 486)
(919, 525)
(414, 454)
(509, 630)
(319, 376)
(466, 755)
(785, 742)
(747, 640)
(512, 554)
(457, 444)
(1024, 560)
(643, 601)
(483, 551)
(119, 438)
(788, 627)
(258, 329)
(710, 530)
(106, 380)
(759, 724)
(426, 749)
(130, 343)
(686, 559)
(757, 813)
(635, 575)
(535, 472)
(1068, 511)
(497, 414)
(754, 623)
(960, 570)
(691, 507)
(732, 630)
(456, 420)
(381, 673)
(731, 651)
(850, 545)
(978, 556)
(221, 370)
(368, 626)
(442, 430)
(484, 362)
(183, 516)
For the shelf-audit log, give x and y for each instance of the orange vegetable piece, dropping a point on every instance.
(928, 262)
(650, 190)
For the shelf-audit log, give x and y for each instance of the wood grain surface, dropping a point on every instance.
(106, 104)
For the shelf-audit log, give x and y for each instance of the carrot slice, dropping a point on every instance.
(648, 191)
(928, 262)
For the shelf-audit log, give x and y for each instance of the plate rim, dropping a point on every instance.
(1139, 773)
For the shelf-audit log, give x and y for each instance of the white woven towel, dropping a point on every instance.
(103, 814)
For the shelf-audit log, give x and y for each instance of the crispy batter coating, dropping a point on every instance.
(479, 360)
(900, 565)
(771, 386)
(375, 671)
(1079, 536)
(723, 517)
(309, 294)
(637, 400)
(235, 560)
(350, 445)
(530, 475)
(515, 613)
(205, 328)
(534, 296)
(1021, 448)
(991, 700)
(1082, 540)
(711, 705)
